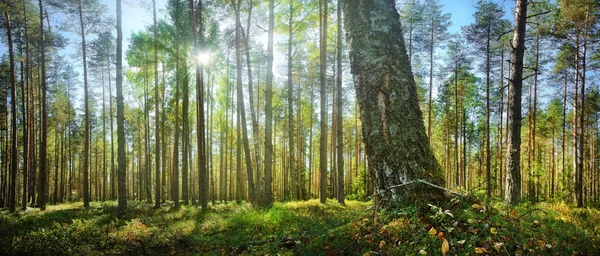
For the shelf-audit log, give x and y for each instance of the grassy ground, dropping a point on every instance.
(463, 226)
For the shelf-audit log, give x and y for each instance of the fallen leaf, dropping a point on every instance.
(445, 246)
(477, 207)
(498, 246)
(367, 254)
(440, 235)
(493, 231)
(471, 221)
(461, 241)
(432, 231)
(480, 250)
(422, 252)
(381, 244)
(515, 214)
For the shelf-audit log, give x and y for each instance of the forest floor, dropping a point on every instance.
(462, 226)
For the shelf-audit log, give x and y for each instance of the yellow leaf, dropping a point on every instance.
(445, 246)
(381, 244)
(422, 252)
(480, 250)
(432, 231)
(493, 231)
(477, 207)
(367, 254)
(498, 246)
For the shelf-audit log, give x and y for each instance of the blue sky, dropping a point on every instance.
(136, 16)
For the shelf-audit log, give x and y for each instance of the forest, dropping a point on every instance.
(299, 127)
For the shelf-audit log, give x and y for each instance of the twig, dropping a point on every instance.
(419, 181)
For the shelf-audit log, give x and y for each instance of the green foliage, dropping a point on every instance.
(69, 229)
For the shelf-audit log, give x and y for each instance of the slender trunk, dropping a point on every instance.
(25, 109)
(290, 121)
(340, 99)
(14, 165)
(268, 186)
(429, 105)
(175, 181)
(44, 116)
(86, 142)
(246, 38)
(122, 168)
(157, 162)
(488, 157)
(323, 107)
(241, 105)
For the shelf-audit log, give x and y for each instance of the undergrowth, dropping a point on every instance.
(461, 226)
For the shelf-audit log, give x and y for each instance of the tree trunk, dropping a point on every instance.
(290, 92)
(323, 107)
(122, 160)
(157, 187)
(241, 105)
(44, 126)
(268, 186)
(393, 131)
(14, 164)
(340, 99)
(513, 157)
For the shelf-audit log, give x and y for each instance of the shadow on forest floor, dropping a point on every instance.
(463, 225)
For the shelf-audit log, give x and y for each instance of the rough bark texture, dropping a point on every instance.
(513, 157)
(121, 158)
(393, 131)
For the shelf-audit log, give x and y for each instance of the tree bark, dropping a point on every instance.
(340, 99)
(323, 106)
(268, 186)
(14, 164)
(513, 157)
(393, 130)
(44, 135)
(122, 160)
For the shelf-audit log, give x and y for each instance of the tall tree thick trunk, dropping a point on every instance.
(393, 130)
(513, 157)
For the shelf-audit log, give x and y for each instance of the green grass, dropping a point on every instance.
(469, 225)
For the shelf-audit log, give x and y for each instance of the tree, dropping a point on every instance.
(513, 158)
(157, 188)
(14, 164)
(121, 143)
(393, 129)
(340, 118)
(268, 186)
(240, 99)
(44, 134)
(323, 107)
(487, 26)
(436, 24)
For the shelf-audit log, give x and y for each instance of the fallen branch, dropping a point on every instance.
(418, 181)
